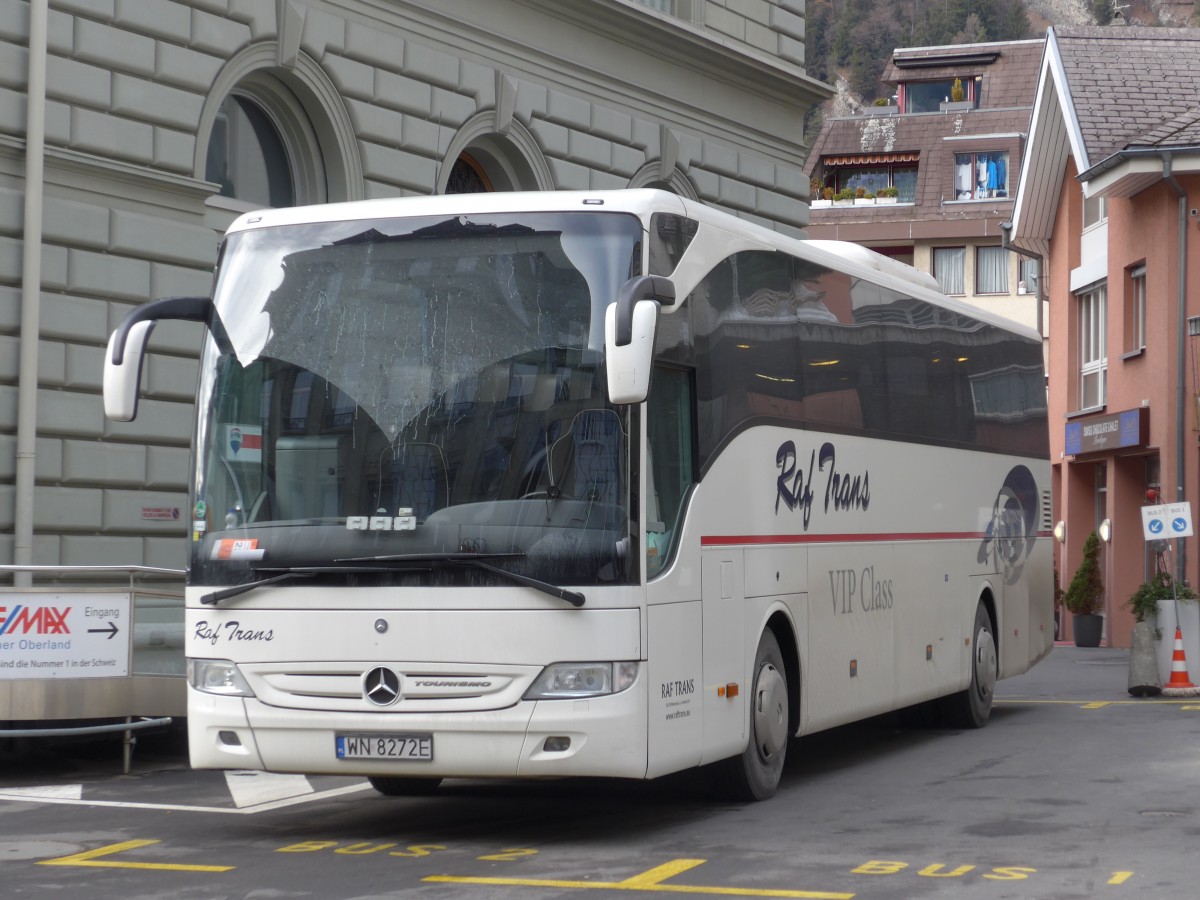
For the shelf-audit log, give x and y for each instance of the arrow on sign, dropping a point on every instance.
(111, 629)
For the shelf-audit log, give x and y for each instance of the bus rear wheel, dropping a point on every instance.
(972, 707)
(401, 786)
(755, 774)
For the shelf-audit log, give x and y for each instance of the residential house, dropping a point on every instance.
(1108, 196)
(954, 165)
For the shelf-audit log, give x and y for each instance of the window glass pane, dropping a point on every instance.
(1028, 274)
(247, 157)
(670, 473)
(926, 96)
(980, 176)
(991, 270)
(1094, 211)
(870, 180)
(1093, 360)
(1135, 310)
(905, 180)
(948, 265)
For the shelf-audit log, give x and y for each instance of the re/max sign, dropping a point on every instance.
(39, 620)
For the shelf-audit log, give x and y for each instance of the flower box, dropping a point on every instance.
(849, 202)
(820, 204)
(864, 201)
(885, 200)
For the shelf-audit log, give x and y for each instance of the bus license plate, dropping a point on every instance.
(412, 747)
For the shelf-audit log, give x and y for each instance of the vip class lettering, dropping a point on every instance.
(851, 589)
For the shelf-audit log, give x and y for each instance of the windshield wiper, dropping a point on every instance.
(286, 575)
(477, 561)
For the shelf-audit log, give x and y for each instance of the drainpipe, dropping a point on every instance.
(1180, 353)
(31, 288)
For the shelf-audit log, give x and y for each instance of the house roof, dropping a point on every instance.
(1110, 99)
(1008, 76)
(1008, 69)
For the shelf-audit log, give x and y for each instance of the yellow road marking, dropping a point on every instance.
(650, 880)
(1097, 704)
(89, 858)
(1120, 877)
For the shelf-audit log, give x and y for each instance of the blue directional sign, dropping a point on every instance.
(1168, 520)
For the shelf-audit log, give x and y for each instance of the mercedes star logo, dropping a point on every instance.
(381, 686)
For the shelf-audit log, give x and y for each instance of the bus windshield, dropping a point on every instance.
(416, 388)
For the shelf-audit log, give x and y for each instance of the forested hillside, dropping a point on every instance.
(856, 37)
(849, 42)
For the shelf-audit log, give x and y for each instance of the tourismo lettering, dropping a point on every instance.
(39, 620)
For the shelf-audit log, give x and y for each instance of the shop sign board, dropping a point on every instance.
(1113, 431)
(64, 635)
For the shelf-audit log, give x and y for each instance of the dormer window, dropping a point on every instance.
(928, 96)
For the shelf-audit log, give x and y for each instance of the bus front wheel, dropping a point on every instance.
(399, 786)
(972, 707)
(755, 774)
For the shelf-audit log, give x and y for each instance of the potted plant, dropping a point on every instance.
(1161, 588)
(819, 195)
(887, 194)
(863, 197)
(1144, 677)
(1084, 596)
(844, 197)
(956, 91)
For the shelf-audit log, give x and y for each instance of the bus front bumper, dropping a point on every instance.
(605, 736)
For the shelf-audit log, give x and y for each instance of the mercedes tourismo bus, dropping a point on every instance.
(597, 484)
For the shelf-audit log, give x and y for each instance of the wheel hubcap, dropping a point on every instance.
(770, 712)
(985, 663)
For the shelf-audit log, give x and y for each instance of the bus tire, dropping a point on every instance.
(972, 707)
(404, 786)
(755, 774)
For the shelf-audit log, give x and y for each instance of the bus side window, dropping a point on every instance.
(671, 469)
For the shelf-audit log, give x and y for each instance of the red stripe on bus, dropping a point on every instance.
(730, 540)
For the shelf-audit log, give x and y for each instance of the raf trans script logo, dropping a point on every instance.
(794, 486)
(381, 686)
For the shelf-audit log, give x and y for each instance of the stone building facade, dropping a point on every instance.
(132, 132)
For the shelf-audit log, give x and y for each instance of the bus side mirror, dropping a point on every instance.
(127, 348)
(630, 324)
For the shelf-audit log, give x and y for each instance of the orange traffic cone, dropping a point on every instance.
(1179, 675)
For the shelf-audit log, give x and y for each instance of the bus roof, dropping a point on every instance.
(854, 259)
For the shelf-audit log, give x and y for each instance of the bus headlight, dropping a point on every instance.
(562, 681)
(217, 676)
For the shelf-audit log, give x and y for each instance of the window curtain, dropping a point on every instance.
(991, 270)
(948, 264)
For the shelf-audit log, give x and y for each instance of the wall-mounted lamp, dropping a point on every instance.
(1060, 531)
(1105, 530)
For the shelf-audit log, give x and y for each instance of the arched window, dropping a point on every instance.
(480, 159)
(467, 176)
(247, 156)
(272, 135)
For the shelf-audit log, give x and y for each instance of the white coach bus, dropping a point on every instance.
(591, 484)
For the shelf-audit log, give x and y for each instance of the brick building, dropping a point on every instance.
(1108, 197)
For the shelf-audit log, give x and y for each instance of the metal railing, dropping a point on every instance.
(107, 695)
